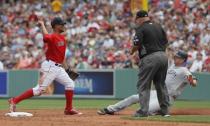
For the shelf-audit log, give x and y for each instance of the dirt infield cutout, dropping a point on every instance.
(55, 117)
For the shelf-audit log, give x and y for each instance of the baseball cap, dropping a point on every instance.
(57, 21)
(141, 14)
(182, 54)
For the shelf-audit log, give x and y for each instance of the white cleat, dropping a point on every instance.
(12, 105)
(167, 115)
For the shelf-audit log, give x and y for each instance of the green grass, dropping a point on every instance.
(192, 104)
(175, 118)
(57, 103)
(91, 103)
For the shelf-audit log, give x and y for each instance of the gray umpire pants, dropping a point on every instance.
(153, 67)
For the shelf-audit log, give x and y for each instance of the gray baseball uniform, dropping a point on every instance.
(176, 80)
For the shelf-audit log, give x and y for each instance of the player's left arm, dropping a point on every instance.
(72, 74)
(64, 64)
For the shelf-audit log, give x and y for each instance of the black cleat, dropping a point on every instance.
(104, 111)
(162, 114)
(139, 113)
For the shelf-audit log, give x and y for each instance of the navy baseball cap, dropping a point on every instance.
(141, 14)
(182, 54)
(57, 21)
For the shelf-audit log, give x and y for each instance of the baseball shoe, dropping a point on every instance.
(12, 105)
(163, 114)
(166, 115)
(72, 112)
(104, 111)
(139, 113)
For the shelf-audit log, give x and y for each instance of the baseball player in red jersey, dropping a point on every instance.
(51, 68)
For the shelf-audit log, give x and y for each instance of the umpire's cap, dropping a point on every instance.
(141, 14)
(182, 54)
(57, 21)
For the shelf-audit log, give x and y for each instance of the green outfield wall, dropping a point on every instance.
(19, 81)
(124, 84)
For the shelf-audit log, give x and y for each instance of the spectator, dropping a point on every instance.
(56, 5)
(82, 64)
(206, 65)
(1, 66)
(97, 29)
(197, 64)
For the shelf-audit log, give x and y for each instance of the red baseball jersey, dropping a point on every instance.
(56, 44)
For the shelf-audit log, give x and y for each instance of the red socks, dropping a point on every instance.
(27, 94)
(69, 97)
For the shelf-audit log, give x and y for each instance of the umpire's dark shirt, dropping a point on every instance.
(150, 37)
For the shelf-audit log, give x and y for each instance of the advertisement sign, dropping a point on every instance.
(91, 84)
(3, 84)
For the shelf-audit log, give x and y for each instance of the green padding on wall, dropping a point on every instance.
(20, 81)
(125, 82)
(201, 92)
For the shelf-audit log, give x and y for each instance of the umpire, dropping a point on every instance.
(150, 40)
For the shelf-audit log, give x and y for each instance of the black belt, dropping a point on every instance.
(56, 64)
(59, 65)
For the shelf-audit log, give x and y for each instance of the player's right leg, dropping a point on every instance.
(111, 109)
(154, 106)
(63, 78)
(47, 75)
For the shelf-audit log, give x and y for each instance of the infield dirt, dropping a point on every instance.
(50, 117)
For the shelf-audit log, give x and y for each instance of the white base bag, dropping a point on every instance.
(19, 114)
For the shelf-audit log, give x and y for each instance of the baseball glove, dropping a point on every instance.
(72, 74)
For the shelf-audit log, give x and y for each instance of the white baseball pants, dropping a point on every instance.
(51, 71)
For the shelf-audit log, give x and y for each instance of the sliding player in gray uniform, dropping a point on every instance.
(178, 76)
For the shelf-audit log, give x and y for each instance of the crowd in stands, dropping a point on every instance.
(99, 32)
